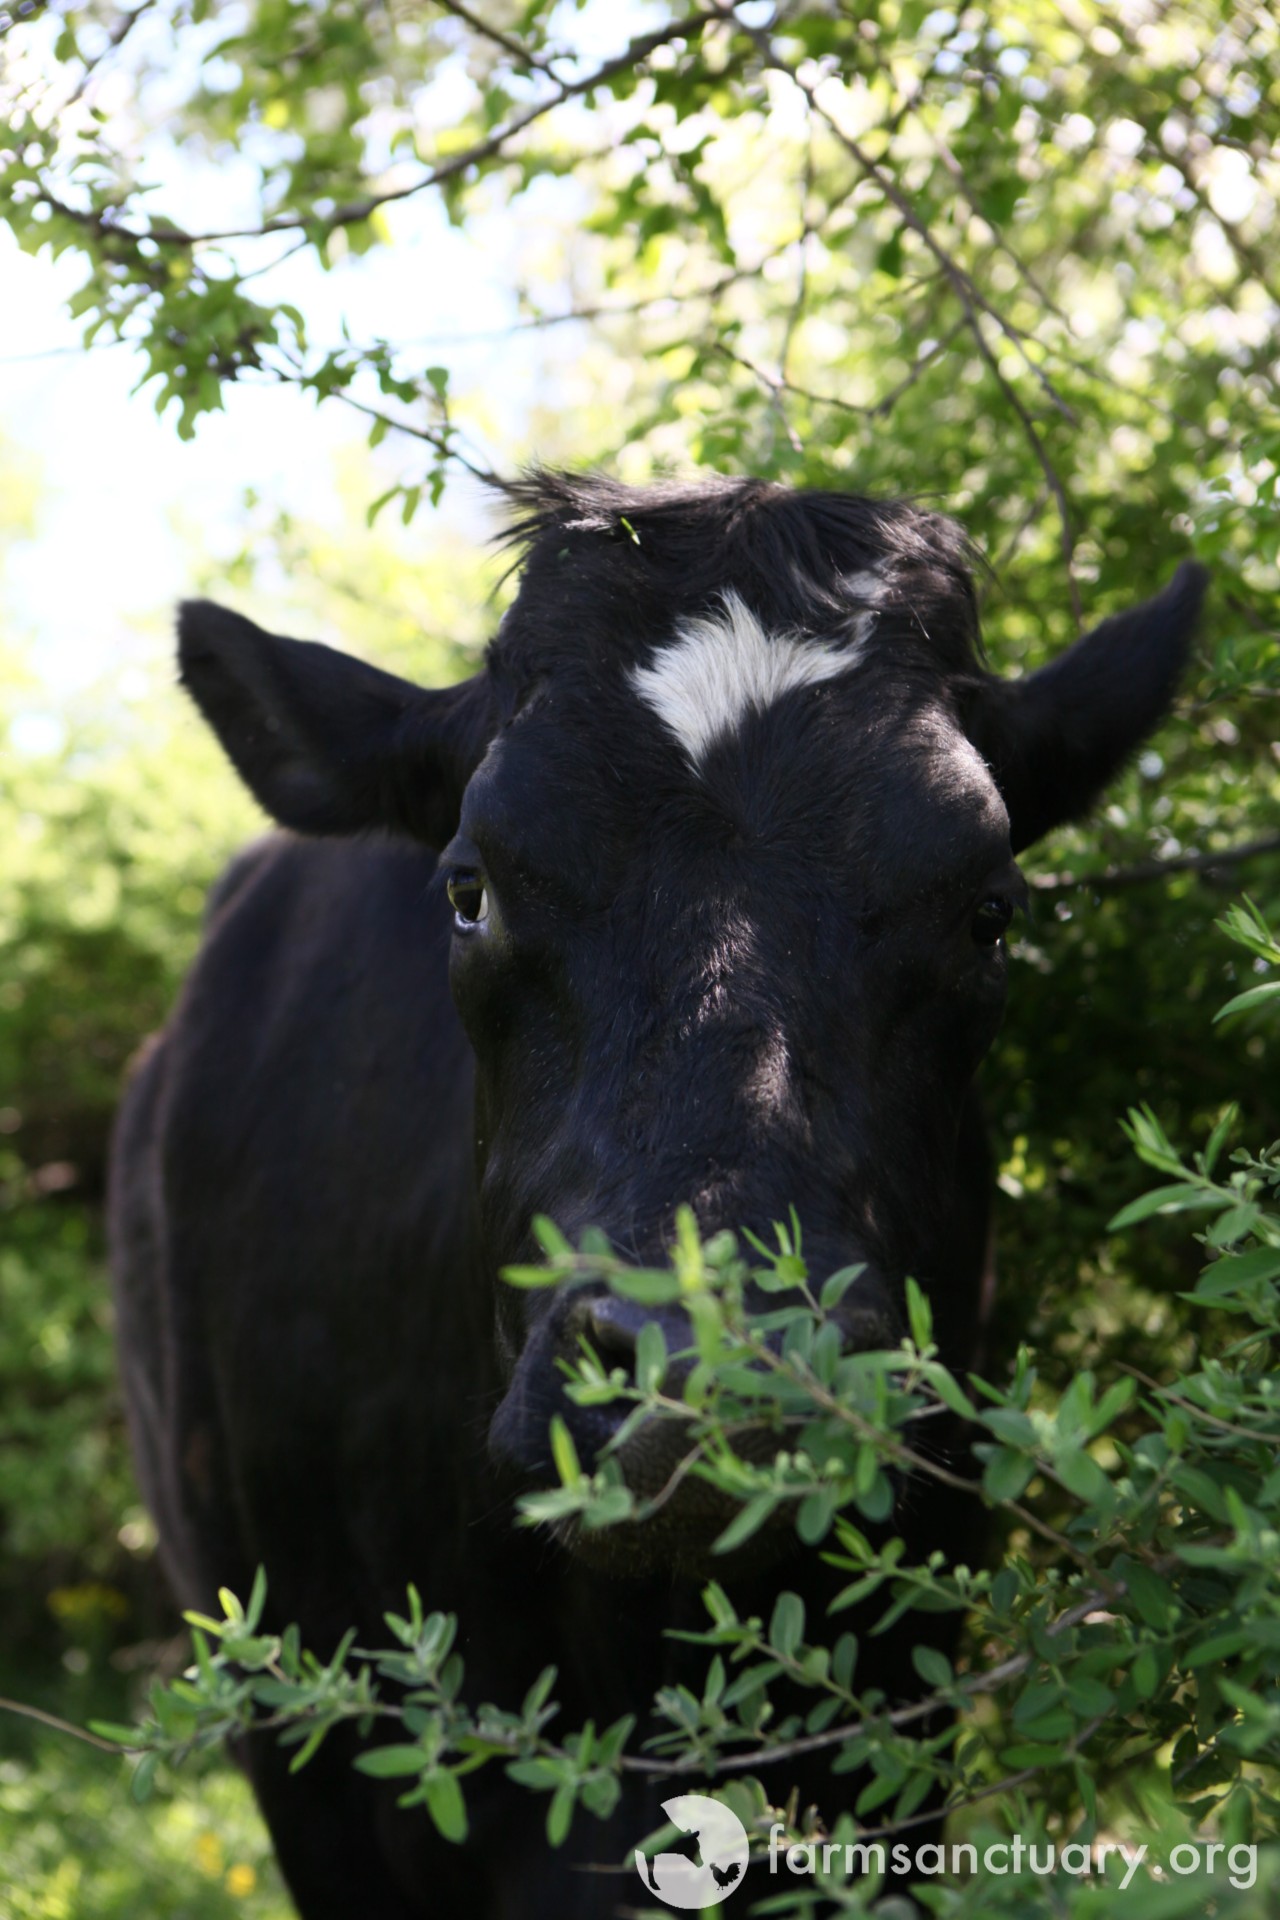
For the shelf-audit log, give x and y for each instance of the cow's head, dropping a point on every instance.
(728, 825)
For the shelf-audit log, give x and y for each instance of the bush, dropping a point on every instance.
(1121, 1665)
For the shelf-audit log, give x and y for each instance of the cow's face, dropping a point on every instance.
(747, 966)
(730, 824)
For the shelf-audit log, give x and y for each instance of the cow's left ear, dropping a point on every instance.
(326, 743)
(1054, 739)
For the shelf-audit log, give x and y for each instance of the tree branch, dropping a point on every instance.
(354, 211)
(1112, 878)
(117, 34)
(971, 298)
(24, 1712)
(980, 1683)
(878, 410)
(523, 56)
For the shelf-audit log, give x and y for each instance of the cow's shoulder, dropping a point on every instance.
(237, 873)
(292, 913)
(317, 1018)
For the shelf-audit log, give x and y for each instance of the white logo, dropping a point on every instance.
(703, 1867)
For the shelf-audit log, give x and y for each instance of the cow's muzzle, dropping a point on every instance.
(683, 1513)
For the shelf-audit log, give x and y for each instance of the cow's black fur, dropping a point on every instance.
(751, 986)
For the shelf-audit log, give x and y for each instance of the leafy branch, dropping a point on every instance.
(1147, 1620)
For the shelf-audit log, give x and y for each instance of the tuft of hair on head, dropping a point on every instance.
(800, 557)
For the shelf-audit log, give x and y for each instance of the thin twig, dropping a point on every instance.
(1110, 878)
(971, 1688)
(441, 443)
(117, 34)
(795, 312)
(1211, 1419)
(897, 1450)
(25, 1712)
(880, 409)
(355, 211)
(971, 298)
(1006, 247)
(523, 56)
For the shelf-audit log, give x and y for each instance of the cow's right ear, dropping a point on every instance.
(326, 743)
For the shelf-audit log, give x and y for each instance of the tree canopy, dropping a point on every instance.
(1020, 257)
(1017, 260)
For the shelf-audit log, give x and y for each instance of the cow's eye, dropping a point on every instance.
(468, 897)
(991, 921)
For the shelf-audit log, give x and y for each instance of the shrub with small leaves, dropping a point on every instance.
(1121, 1665)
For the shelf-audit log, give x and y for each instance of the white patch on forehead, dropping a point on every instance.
(723, 666)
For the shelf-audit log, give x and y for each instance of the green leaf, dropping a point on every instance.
(538, 1774)
(933, 1667)
(651, 1357)
(875, 1500)
(815, 1514)
(565, 1454)
(446, 1805)
(1006, 1474)
(310, 1746)
(837, 1284)
(919, 1315)
(1218, 1647)
(877, 1791)
(1145, 1672)
(1088, 1697)
(1234, 1223)
(844, 1659)
(746, 1523)
(1111, 1406)
(1237, 1270)
(889, 257)
(1082, 1475)
(1011, 1425)
(949, 1390)
(1252, 997)
(538, 1694)
(1164, 1200)
(1152, 1595)
(257, 1599)
(389, 1763)
(1218, 1138)
(549, 1238)
(786, 1629)
(560, 1813)
(529, 1277)
(609, 1507)
(648, 1287)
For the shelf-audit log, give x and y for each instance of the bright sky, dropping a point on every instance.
(126, 506)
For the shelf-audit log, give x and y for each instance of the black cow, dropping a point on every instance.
(695, 892)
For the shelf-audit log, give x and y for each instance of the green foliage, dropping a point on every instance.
(1019, 260)
(111, 841)
(1132, 1625)
(111, 838)
(1017, 256)
(73, 1845)
(65, 1486)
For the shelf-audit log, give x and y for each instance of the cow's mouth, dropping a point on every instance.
(681, 1513)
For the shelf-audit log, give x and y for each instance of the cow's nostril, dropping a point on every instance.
(610, 1332)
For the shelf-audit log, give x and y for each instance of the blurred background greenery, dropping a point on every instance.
(116, 813)
(702, 271)
(110, 839)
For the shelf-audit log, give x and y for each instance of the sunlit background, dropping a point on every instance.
(751, 301)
